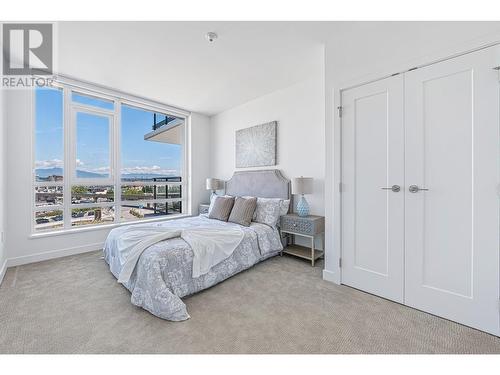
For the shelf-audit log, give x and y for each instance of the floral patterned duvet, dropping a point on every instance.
(163, 274)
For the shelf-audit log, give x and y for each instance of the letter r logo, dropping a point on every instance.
(28, 49)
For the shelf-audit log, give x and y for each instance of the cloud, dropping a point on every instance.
(54, 163)
(155, 169)
(79, 163)
(100, 169)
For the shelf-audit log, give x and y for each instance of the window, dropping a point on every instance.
(49, 160)
(92, 101)
(93, 149)
(151, 163)
(121, 162)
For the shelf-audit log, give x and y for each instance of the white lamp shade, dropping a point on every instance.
(302, 185)
(214, 184)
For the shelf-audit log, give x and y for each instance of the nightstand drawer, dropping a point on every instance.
(309, 225)
(293, 224)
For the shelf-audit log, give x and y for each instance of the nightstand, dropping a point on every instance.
(310, 227)
(203, 208)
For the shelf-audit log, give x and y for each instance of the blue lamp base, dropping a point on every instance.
(302, 207)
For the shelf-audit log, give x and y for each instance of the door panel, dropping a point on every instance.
(373, 158)
(448, 160)
(452, 229)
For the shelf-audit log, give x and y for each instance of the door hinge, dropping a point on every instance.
(340, 262)
(340, 187)
(497, 68)
(340, 109)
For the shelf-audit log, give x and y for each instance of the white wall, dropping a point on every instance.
(23, 249)
(378, 49)
(3, 257)
(200, 160)
(300, 112)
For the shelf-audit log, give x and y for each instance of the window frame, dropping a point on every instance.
(75, 180)
(70, 108)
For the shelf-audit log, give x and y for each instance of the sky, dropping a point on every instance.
(138, 155)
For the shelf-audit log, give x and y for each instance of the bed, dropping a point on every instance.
(163, 271)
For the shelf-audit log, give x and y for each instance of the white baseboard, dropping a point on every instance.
(333, 277)
(3, 270)
(19, 261)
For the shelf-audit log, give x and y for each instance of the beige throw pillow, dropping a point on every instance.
(242, 212)
(222, 208)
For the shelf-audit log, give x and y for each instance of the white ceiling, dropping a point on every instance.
(171, 62)
(362, 49)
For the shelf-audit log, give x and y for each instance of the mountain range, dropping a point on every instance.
(46, 172)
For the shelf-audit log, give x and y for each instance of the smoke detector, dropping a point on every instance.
(211, 36)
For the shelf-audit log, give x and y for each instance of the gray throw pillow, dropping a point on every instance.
(267, 211)
(242, 212)
(222, 208)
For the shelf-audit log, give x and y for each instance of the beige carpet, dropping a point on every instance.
(74, 305)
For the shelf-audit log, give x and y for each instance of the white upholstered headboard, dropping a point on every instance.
(266, 183)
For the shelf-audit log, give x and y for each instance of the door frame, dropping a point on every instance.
(334, 206)
(334, 174)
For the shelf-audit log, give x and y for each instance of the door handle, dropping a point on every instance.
(394, 188)
(416, 189)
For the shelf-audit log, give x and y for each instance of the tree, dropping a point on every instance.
(132, 191)
(78, 189)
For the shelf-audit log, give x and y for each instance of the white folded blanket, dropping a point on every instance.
(210, 245)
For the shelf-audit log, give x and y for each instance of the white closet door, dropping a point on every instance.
(372, 216)
(452, 229)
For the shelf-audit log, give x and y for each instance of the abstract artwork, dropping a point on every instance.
(256, 146)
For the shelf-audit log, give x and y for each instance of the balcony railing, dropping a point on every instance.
(157, 124)
(161, 191)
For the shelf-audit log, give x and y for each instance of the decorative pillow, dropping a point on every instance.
(222, 208)
(267, 211)
(212, 200)
(243, 210)
(284, 206)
